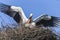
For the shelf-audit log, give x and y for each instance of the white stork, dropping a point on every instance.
(19, 16)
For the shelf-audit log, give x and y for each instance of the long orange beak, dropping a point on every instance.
(29, 20)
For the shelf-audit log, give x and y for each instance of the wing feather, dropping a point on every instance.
(6, 9)
(53, 22)
(56, 21)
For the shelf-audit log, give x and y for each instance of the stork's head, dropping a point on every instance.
(46, 17)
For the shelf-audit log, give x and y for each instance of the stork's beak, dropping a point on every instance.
(31, 15)
(30, 18)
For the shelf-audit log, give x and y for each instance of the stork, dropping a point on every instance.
(19, 16)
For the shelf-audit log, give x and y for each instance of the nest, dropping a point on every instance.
(23, 33)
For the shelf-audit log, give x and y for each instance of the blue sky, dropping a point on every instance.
(37, 7)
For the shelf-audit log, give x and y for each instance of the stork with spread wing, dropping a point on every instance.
(19, 16)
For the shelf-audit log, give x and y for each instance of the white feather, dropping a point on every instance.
(21, 13)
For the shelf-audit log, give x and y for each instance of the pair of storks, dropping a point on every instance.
(19, 16)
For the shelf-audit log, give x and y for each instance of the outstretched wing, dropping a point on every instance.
(53, 22)
(7, 10)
